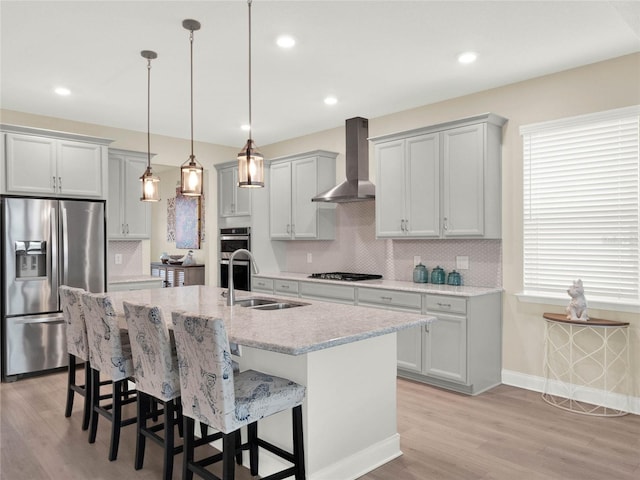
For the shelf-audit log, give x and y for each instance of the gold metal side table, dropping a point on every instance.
(586, 365)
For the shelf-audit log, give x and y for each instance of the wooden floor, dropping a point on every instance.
(506, 433)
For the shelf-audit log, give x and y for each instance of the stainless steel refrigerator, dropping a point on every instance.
(45, 243)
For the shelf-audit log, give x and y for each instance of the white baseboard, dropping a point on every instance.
(594, 396)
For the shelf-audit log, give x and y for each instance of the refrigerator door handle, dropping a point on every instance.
(54, 278)
(64, 248)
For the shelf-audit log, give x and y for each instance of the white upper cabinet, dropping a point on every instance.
(442, 181)
(128, 218)
(295, 180)
(233, 200)
(47, 165)
(407, 203)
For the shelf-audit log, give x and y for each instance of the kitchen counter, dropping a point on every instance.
(461, 291)
(345, 356)
(316, 325)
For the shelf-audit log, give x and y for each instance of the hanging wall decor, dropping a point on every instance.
(185, 221)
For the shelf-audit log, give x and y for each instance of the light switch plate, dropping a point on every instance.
(309, 258)
(118, 259)
(462, 262)
(417, 259)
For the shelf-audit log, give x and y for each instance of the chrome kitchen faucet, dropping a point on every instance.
(230, 293)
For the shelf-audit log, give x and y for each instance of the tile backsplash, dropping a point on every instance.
(356, 249)
(131, 252)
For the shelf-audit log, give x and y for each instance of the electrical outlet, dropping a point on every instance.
(417, 259)
(462, 262)
(309, 258)
(118, 259)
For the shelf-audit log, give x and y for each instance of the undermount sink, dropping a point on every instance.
(257, 303)
(253, 302)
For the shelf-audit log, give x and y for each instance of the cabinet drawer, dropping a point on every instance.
(446, 304)
(263, 284)
(392, 298)
(288, 287)
(334, 293)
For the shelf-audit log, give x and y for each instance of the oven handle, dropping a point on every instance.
(235, 237)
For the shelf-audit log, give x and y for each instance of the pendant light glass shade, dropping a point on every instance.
(250, 166)
(250, 160)
(191, 178)
(191, 170)
(150, 183)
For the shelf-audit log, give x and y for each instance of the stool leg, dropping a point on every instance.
(71, 380)
(95, 402)
(87, 396)
(238, 434)
(298, 442)
(142, 411)
(116, 418)
(228, 456)
(189, 425)
(169, 413)
(252, 439)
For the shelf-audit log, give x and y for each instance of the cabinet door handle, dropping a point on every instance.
(293, 228)
(288, 228)
(60, 183)
(127, 232)
(402, 225)
(388, 299)
(444, 305)
(286, 287)
(446, 224)
(406, 225)
(55, 186)
(123, 232)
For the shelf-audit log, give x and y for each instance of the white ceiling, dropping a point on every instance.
(376, 57)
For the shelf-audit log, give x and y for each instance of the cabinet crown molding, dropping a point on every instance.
(490, 118)
(21, 129)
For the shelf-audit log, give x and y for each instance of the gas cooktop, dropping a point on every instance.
(347, 277)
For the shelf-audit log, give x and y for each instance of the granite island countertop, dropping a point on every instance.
(460, 291)
(295, 331)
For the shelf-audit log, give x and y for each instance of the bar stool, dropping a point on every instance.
(109, 355)
(214, 395)
(77, 348)
(157, 378)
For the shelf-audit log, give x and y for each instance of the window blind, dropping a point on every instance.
(580, 201)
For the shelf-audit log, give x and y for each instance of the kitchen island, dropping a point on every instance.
(344, 355)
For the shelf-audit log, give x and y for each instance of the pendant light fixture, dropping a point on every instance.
(191, 170)
(150, 183)
(250, 160)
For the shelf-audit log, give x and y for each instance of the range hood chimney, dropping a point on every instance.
(357, 187)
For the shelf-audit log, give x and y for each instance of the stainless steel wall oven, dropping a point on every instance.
(231, 239)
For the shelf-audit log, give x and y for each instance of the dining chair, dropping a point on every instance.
(155, 369)
(77, 349)
(110, 356)
(216, 396)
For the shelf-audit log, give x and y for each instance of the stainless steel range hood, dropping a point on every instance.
(357, 187)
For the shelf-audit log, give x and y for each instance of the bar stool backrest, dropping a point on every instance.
(155, 365)
(107, 351)
(206, 370)
(73, 311)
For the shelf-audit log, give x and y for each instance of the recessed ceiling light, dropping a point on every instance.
(245, 127)
(285, 41)
(467, 57)
(62, 91)
(330, 100)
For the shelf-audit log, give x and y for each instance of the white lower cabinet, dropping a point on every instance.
(460, 350)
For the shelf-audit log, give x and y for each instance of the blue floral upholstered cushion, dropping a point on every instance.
(109, 348)
(154, 359)
(211, 392)
(73, 311)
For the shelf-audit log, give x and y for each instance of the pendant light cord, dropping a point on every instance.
(191, 61)
(250, 120)
(149, 113)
